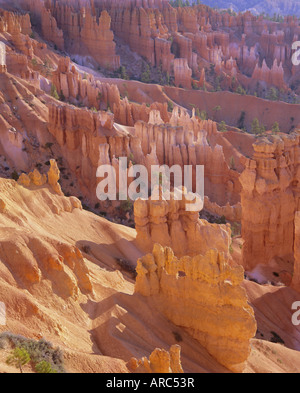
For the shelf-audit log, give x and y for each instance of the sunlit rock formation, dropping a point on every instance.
(160, 361)
(183, 74)
(35, 178)
(169, 223)
(204, 295)
(269, 199)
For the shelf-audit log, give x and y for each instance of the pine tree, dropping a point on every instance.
(275, 128)
(217, 109)
(54, 93)
(273, 94)
(18, 358)
(255, 127)
(232, 163)
(146, 75)
(222, 126)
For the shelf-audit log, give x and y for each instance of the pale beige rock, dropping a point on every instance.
(160, 361)
(204, 295)
(169, 223)
(269, 199)
(53, 177)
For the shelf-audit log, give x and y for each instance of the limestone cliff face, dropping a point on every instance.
(204, 295)
(183, 141)
(84, 88)
(273, 76)
(163, 54)
(50, 30)
(183, 74)
(140, 27)
(78, 31)
(80, 132)
(269, 200)
(170, 224)
(13, 23)
(17, 29)
(98, 38)
(160, 361)
(162, 34)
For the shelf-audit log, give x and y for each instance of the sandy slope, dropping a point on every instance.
(102, 330)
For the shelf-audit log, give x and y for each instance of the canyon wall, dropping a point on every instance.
(183, 140)
(270, 198)
(243, 47)
(79, 31)
(80, 134)
(296, 275)
(82, 89)
(204, 295)
(77, 88)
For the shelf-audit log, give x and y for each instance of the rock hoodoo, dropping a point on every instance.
(160, 361)
(269, 199)
(204, 295)
(168, 223)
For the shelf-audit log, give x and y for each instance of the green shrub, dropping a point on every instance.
(54, 92)
(170, 106)
(275, 128)
(15, 176)
(38, 351)
(44, 367)
(222, 126)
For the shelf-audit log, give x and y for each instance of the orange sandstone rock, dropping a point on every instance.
(269, 199)
(183, 74)
(168, 223)
(35, 178)
(204, 295)
(76, 87)
(50, 30)
(53, 177)
(160, 361)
